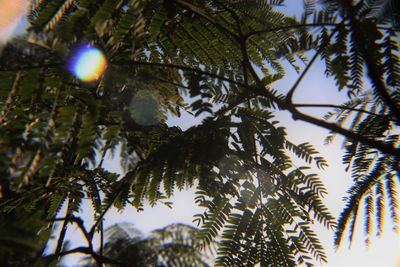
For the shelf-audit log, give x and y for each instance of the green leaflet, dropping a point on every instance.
(258, 205)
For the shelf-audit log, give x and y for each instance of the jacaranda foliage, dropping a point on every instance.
(217, 59)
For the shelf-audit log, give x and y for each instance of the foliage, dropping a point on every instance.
(173, 245)
(373, 113)
(224, 56)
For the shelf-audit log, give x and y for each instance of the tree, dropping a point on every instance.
(55, 130)
(374, 173)
(173, 245)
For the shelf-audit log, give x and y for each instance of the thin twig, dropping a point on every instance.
(87, 251)
(60, 240)
(289, 27)
(290, 94)
(340, 107)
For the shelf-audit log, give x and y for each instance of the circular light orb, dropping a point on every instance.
(88, 64)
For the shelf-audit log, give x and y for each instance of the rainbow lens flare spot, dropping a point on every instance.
(88, 64)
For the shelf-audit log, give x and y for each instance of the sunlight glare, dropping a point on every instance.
(88, 64)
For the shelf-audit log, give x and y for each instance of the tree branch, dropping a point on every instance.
(100, 259)
(109, 205)
(290, 94)
(297, 115)
(260, 90)
(288, 27)
(61, 237)
(87, 251)
(338, 107)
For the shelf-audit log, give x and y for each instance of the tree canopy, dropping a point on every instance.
(218, 59)
(173, 245)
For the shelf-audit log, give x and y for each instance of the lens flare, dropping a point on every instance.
(88, 64)
(145, 108)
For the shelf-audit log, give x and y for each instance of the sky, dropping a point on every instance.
(315, 88)
(11, 13)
